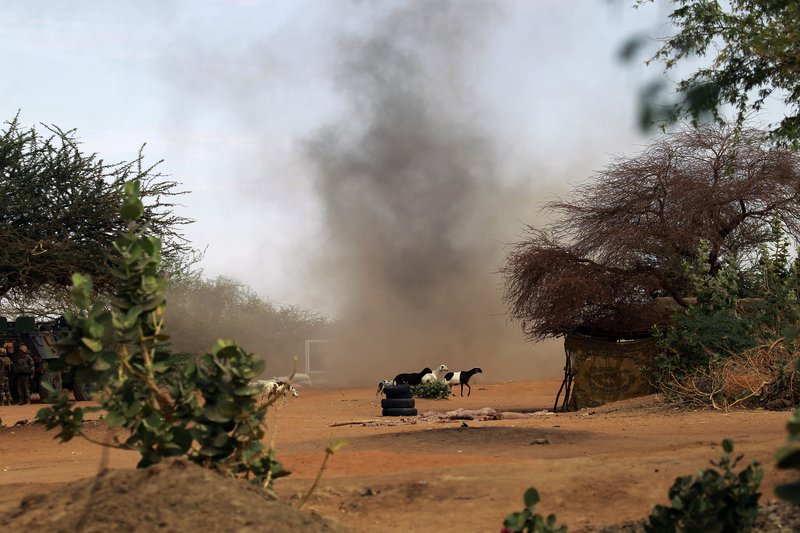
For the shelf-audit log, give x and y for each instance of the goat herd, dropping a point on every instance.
(426, 375)
(283, 387)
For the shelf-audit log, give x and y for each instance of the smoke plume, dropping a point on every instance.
(413, 198)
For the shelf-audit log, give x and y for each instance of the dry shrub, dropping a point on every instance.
(763, 376)
(621, 238)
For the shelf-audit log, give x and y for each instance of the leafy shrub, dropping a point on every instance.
(205, 409)
(709, 329)
(701, 337)
(777, 288)
(528, 520)
(717, 501)
(788, 457)
(433, 390)
(716, 355)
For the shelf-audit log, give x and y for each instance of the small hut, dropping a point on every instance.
(614, 360)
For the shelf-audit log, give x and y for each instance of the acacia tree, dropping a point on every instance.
(754, 47)
(621, 238)
(59, 213)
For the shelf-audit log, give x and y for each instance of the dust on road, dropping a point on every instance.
(593, 467)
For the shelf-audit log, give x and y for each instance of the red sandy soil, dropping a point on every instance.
(600, 466)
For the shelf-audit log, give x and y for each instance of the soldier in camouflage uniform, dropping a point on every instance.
(24, 368)
(5, 374)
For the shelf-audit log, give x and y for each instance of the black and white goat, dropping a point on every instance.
(383, 385)
(412, 378)
(461, 378)
(272, 388)
(436, 375)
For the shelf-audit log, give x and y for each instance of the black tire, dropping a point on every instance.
(395, 391)
(397, 403)
(399, 412)
(54, 380)
(398, 392)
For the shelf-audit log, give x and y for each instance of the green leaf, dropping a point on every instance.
(220, 440)
(228, 408)
(212, 413)
(789, 492)
(221, 345)
(95, 329)
(114, 419)
(515, 521)
(131, 316)
(101, 365)
(74, 358)
(161, 367)
(182, 437)
(788, 457)
(209, 451)
(151, 245)
(92, 344)
(531, 497)
(132, 207)
(247, 390)
(727, 445)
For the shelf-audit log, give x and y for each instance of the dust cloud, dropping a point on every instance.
(416, 205)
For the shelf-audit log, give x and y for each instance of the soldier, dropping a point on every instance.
(5, 373)
(38, 372)
(24, 369)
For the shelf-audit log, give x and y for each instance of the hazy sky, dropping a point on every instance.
(228, 92)
(370, 160)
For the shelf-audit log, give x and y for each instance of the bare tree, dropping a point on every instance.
(620, 239)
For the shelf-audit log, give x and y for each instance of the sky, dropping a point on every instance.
(284, 119)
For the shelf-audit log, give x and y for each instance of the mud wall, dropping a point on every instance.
(607, 371)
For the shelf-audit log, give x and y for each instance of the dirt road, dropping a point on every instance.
(599, 466)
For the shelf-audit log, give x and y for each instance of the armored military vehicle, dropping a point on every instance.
(42, 339)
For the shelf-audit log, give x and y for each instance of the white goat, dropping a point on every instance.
(436, 375)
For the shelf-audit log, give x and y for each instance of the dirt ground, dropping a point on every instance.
(598, 466)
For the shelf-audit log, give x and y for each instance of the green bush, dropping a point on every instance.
(203, 409)
(528, 520)
(432, 390)
(701, 337)
(711, 328)
(777, 288)
(712, 341)
(788, 457)
(717, 501)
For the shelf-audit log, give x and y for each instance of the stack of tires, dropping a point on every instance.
(398, 401)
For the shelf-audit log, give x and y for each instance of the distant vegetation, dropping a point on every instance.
(201, 311)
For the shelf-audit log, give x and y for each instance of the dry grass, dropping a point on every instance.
(764, 376)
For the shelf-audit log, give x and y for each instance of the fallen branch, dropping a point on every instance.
(354, 423)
